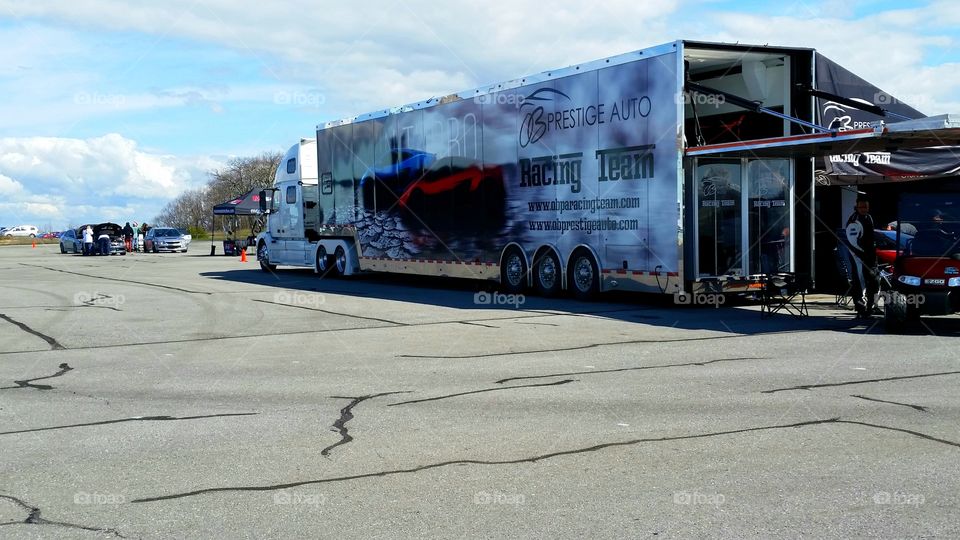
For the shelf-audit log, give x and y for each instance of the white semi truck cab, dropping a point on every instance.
(292, 235)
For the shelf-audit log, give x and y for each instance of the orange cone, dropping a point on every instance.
(34, 246)
(243, 255)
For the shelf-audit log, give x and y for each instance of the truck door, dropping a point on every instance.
(288, 228)
(302, 224)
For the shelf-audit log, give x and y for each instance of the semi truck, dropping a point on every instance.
(686, 167)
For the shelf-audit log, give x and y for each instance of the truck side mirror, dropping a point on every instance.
(266, 197)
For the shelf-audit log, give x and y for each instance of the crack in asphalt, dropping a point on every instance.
(354, 329)
(346, 415)
(95, 302)
(864, 381)
(33, 518)
(145, 284)
(497, 389)
(308, 308)
(54, 344)
(533, 459)
(594, 345)
(162, 418)
(28, 383)
(618, 370)
(914, 407)
(471, 323)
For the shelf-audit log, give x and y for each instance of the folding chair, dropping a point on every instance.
(785, 292)
(843, 298)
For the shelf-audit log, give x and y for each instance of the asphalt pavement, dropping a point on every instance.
(190, 396)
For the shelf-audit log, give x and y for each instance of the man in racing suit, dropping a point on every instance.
(863, 258)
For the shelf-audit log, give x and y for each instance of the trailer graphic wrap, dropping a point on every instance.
(589, 158)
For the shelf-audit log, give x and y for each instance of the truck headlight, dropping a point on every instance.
(953, 282)
(913, 281)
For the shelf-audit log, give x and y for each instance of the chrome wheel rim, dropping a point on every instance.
(514, 270)
(583, 274)
(341, 260)
(547, 272)
(262, 254)
(322, 262)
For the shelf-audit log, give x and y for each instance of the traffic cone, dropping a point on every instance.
(34, 246)
(243, 255)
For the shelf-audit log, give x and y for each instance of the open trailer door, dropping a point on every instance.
(747, 217)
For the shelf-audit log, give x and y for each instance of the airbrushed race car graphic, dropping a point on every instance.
(424, 189)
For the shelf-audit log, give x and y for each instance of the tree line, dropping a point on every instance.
(193, 209)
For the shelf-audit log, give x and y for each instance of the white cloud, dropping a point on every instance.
(91, 179)
(9, 186)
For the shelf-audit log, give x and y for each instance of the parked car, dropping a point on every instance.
(71, 241)
(55, 234)
(115, 232)
(23, 230)
(165, 239)
(886, 242)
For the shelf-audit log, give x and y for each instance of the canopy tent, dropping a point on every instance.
(247, 204)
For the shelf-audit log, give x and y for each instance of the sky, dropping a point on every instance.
(111, 108)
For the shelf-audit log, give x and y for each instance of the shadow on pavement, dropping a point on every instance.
(738, 316)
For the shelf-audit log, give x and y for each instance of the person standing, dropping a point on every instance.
(88, 240)
(103, 243)
(128, 237)
(863, 255)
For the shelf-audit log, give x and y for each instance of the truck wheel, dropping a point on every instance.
(513, 272)
(323, 262)
(547, 274)
(583, 279)
(263, 255)
(340, 261)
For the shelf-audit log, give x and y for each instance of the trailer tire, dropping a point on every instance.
(547, 274)
(583, 278)
(513, 271)
(323, 262)
(263, 255)
(339, 262)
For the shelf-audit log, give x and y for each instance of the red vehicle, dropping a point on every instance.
(926, 273)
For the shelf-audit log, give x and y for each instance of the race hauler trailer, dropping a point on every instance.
(686, 167)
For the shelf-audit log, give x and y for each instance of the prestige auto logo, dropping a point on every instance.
(535, 123)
